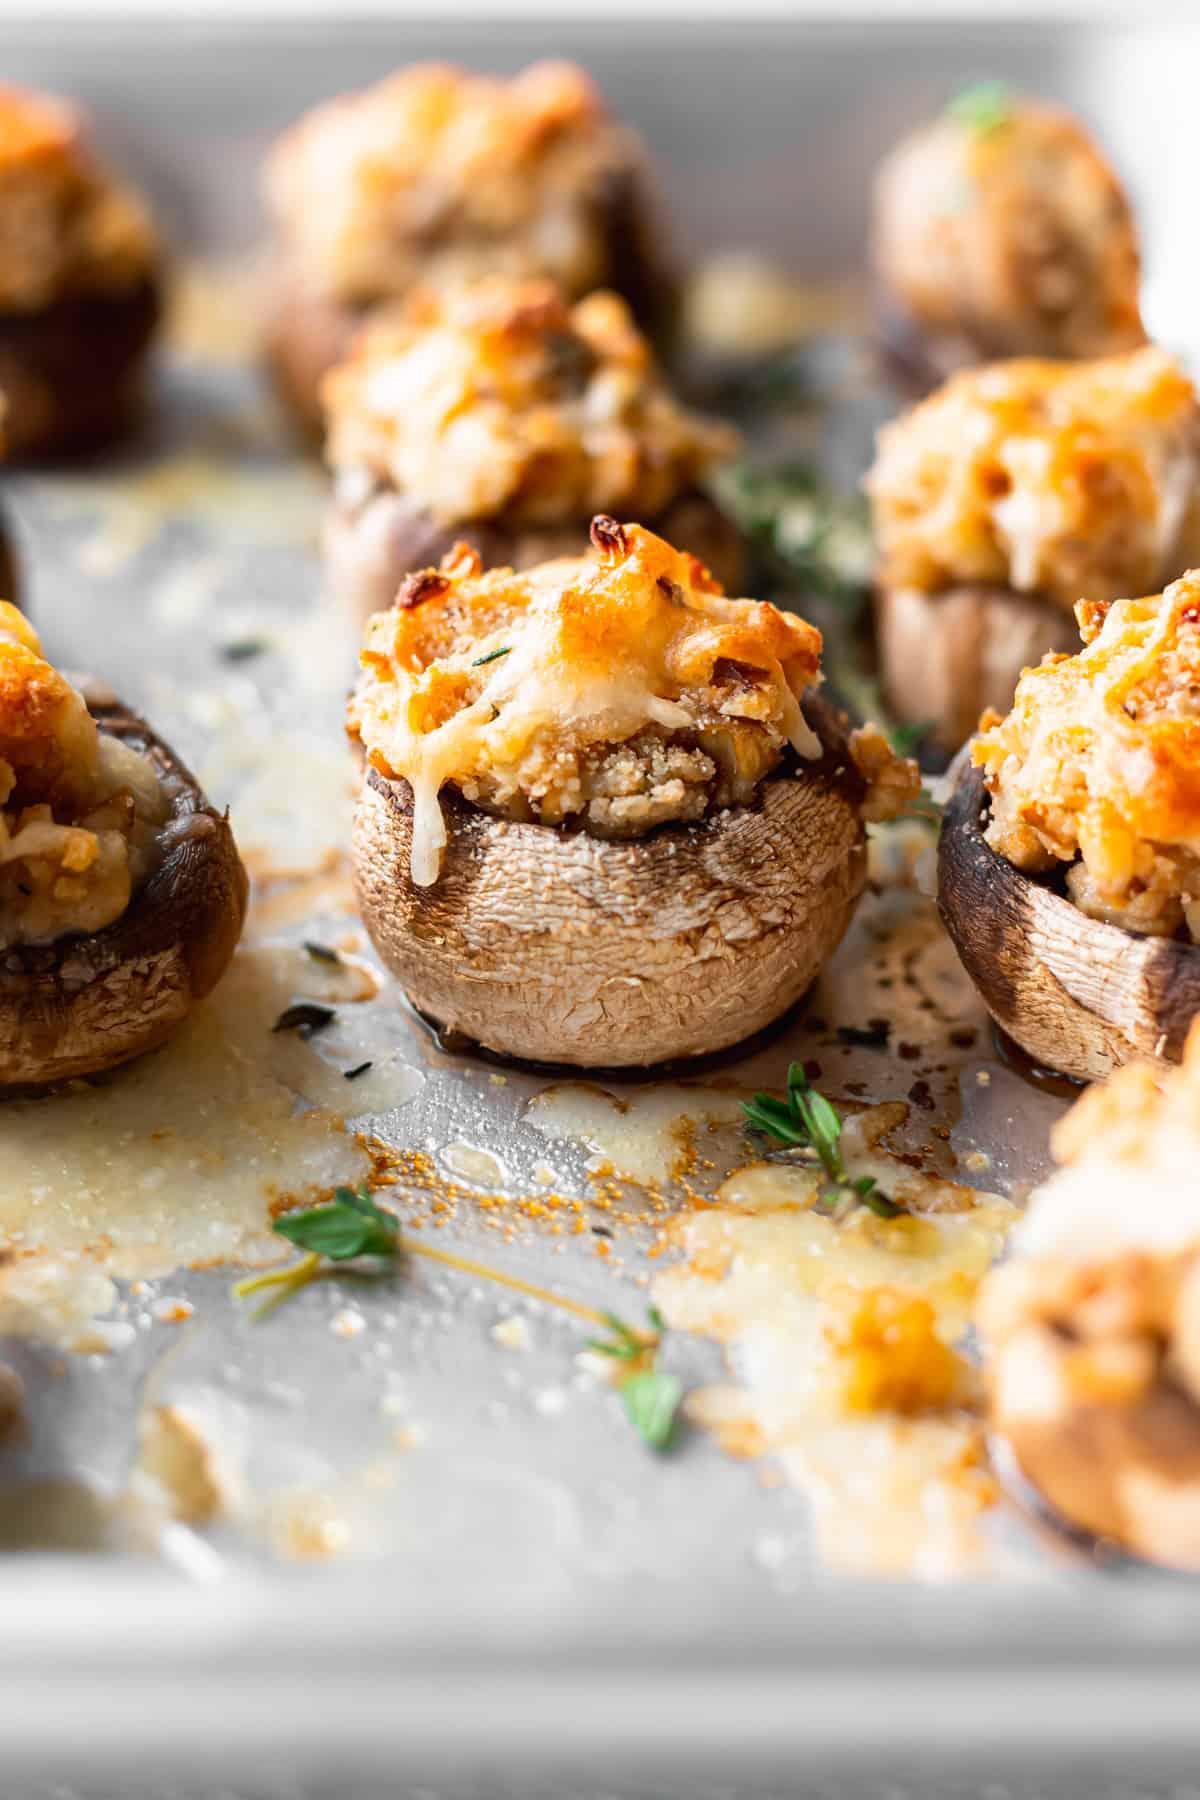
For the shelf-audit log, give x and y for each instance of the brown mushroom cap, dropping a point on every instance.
(557, 946)
(72, 373)
(370, 548)
(1076, 994)
(945, 658)
(1128, 1473)
(84, 1004)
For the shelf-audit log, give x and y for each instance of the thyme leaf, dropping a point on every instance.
(492, 656)
(651, 1396)
(806, 1120)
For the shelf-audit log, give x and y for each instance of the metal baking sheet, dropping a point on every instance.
(446, 1526)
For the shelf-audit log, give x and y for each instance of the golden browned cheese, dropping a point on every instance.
(501, 401)
(440, 175)
(1010, 230)
(66, 228)
(1097, 766)
(1063, 480)
(621, 687)
(79, 811)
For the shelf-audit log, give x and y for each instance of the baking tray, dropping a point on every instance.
(482, 1569)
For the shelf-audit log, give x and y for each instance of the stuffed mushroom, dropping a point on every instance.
(1000, 230)
(1069, 871)
(121, 893)
(1007, 496)
(501, 415)
(1091, 1333)
(80, 284)
(605, 821)
(436, 177)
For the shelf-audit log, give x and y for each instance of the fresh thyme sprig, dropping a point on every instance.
(492, 656)
(820, 538)
(808, 1121)
(352, 1225)
(651, 1396)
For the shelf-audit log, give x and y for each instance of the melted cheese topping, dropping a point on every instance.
(79, 811)
(502, 400)
(1014, 233)
(1099, 760)
(436, 174)
(65, 226)
(1043, 477)
(506, 683)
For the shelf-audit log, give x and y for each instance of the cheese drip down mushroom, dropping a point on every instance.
(605, 818)
(527, 691)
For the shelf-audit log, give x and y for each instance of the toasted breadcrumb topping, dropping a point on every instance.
(66, 227)
(1056, 479)
(621, 688)
(440, 175)
(501, 400)
(1013, 232)
(79, 811)
(1097, 766)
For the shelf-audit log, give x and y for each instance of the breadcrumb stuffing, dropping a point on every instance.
(502, 401)
(1096, 770)
(66, 227)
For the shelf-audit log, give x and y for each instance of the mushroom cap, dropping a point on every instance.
(947, 657)
(370, 548)
(1078, 995)
(84, 1004)
(72, 373)
(555, 946)
(1128, 1473)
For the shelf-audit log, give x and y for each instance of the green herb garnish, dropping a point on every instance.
(808, 1121)
(321, 952)
(351, 1225)
(904, 739)
(983, 107)
(651, 1396)
(242, 649)
(347, 1226)
(358, 1069)
(492, 656)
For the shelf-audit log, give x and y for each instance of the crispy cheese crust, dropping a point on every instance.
(502, 401)
(1010, 232)
(1056, 479)
(440, 175)
(1097, 766)
(67, 230)
(1092, 1331)
(79, 812)
(621, 690)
